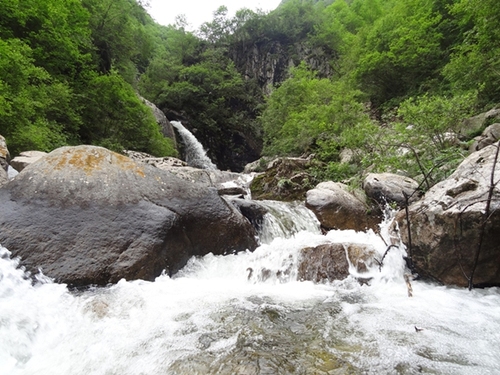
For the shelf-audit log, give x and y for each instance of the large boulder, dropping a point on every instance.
(446, 225)
(86, 215)
(336, 208)
(390, 188)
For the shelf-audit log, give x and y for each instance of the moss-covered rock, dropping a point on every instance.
(286, 179)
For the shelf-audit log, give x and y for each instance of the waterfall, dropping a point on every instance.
(212, 318)
(286, 219)
(195, 155)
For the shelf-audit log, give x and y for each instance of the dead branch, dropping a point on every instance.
(408, 285)
(381, 262)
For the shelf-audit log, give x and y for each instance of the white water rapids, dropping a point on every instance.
(211, 319)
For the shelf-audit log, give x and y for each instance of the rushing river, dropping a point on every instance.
(211, 318)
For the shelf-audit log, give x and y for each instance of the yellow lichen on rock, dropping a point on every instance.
(93, 159)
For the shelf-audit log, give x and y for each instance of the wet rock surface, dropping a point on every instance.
(323, 263)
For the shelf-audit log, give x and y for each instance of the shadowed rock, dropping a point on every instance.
(86, 215)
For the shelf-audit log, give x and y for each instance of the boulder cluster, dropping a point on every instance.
(450, 233)
(88, 216)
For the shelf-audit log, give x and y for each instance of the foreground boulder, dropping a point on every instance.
(447, 225)
(86, 215)
(336, 208)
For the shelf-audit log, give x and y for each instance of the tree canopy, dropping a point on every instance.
(387, 74)
(66, 74)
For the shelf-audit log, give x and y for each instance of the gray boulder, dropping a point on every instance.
(489, 136)
(26, 158)
(474, 125)
(336, 208)
(389, 188)
(86, 215)
(446, 225)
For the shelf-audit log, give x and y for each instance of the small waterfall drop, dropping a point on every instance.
(213, 317)
(195, 154)
(286, 219)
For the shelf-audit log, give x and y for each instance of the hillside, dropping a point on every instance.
(311, 77)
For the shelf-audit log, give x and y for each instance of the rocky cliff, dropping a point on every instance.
(268, 61)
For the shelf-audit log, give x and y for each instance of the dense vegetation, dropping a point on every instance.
(394, 77)
(67, 70)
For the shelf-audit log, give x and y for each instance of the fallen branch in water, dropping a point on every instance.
(408, 285)
(381, 262)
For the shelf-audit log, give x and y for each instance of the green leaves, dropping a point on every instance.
(51, 94)
(475, 63)
(32, 101)
(306, 111)
(119, 120)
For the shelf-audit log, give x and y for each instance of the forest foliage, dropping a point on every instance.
(405, 73)
(67, 70)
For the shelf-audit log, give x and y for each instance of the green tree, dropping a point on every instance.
(33, 105)
(400, 52)
(475, 63)
(120, 36)
(119, 120)
(307, 113)
(56, 30)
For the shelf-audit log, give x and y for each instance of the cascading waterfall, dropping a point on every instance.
(195, 155)
(284, 220)
(212, 318)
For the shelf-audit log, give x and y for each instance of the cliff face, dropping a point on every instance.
(269, 61)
